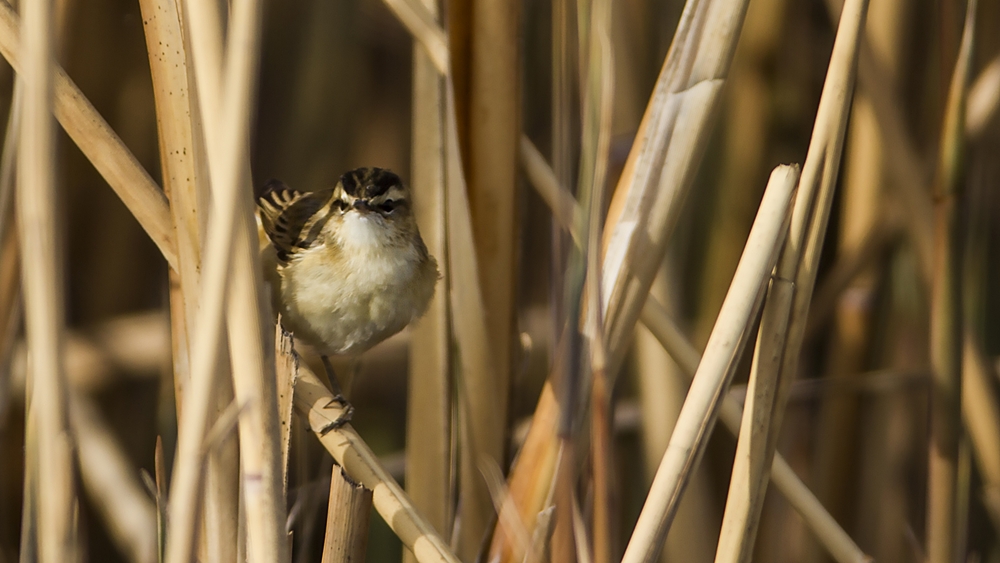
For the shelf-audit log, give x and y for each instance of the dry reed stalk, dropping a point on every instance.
(160, 496)
(420, 18)
(478, 385)
(261, 460)
(750, 473)
(100, 145)
(177, 120)
(673, 340)
(984, 100)
(249, 343)
(10, 255)
(904, 163)
(494, 126)
(747, 114)
(43, 293)
(176, 113)
(226, 145)
(479, 390)
(346, 519)
(849, 264)
(798, 264)
(598, 100)
(825, 527)
(28, 545)
(429, 399)
(863, 230)
(700, 410)
(530, 489)
(946, 314)
(137, 345)
(110, 481)
(982, 420)
(315, 404)
(655, 181)
(664, 157)
(286, 370)
(561, 202)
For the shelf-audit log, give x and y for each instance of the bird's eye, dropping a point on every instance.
(340, 204)
(388, 206)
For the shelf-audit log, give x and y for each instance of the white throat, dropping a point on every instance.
(359, 231)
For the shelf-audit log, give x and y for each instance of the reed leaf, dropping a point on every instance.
(660, 169)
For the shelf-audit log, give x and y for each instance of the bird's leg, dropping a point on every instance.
(338, 397)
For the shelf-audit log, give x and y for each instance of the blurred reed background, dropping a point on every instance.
(888, 402)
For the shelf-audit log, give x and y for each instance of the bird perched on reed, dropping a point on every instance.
(346, 265)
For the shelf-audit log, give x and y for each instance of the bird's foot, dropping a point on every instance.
(346, 414)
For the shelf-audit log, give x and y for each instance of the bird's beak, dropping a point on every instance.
(362, 205)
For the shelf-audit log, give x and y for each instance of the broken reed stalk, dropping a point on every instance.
(672, 338)
(826, 529)
(111, 483)
(751, 467)
(798, 264)
(43, 292)
(700, 410)
(429, 397)
(651, 191)
(315, 404)
(286, 372)
(347, 518)
(100, 145)
(946, 314)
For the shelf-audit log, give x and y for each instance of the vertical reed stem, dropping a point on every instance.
(346, 519)
(43, 289)
(946, 315)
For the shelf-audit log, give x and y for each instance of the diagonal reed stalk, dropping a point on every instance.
(711, 380)
(43, 291)
(784, 321)
(100, 145)
(315, 403)
(943, 542)
(655, 317)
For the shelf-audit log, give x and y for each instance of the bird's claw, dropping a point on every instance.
(347, 412)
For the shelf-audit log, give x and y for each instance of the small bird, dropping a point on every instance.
(346, 265)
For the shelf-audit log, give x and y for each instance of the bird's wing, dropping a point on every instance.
(292, 219)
